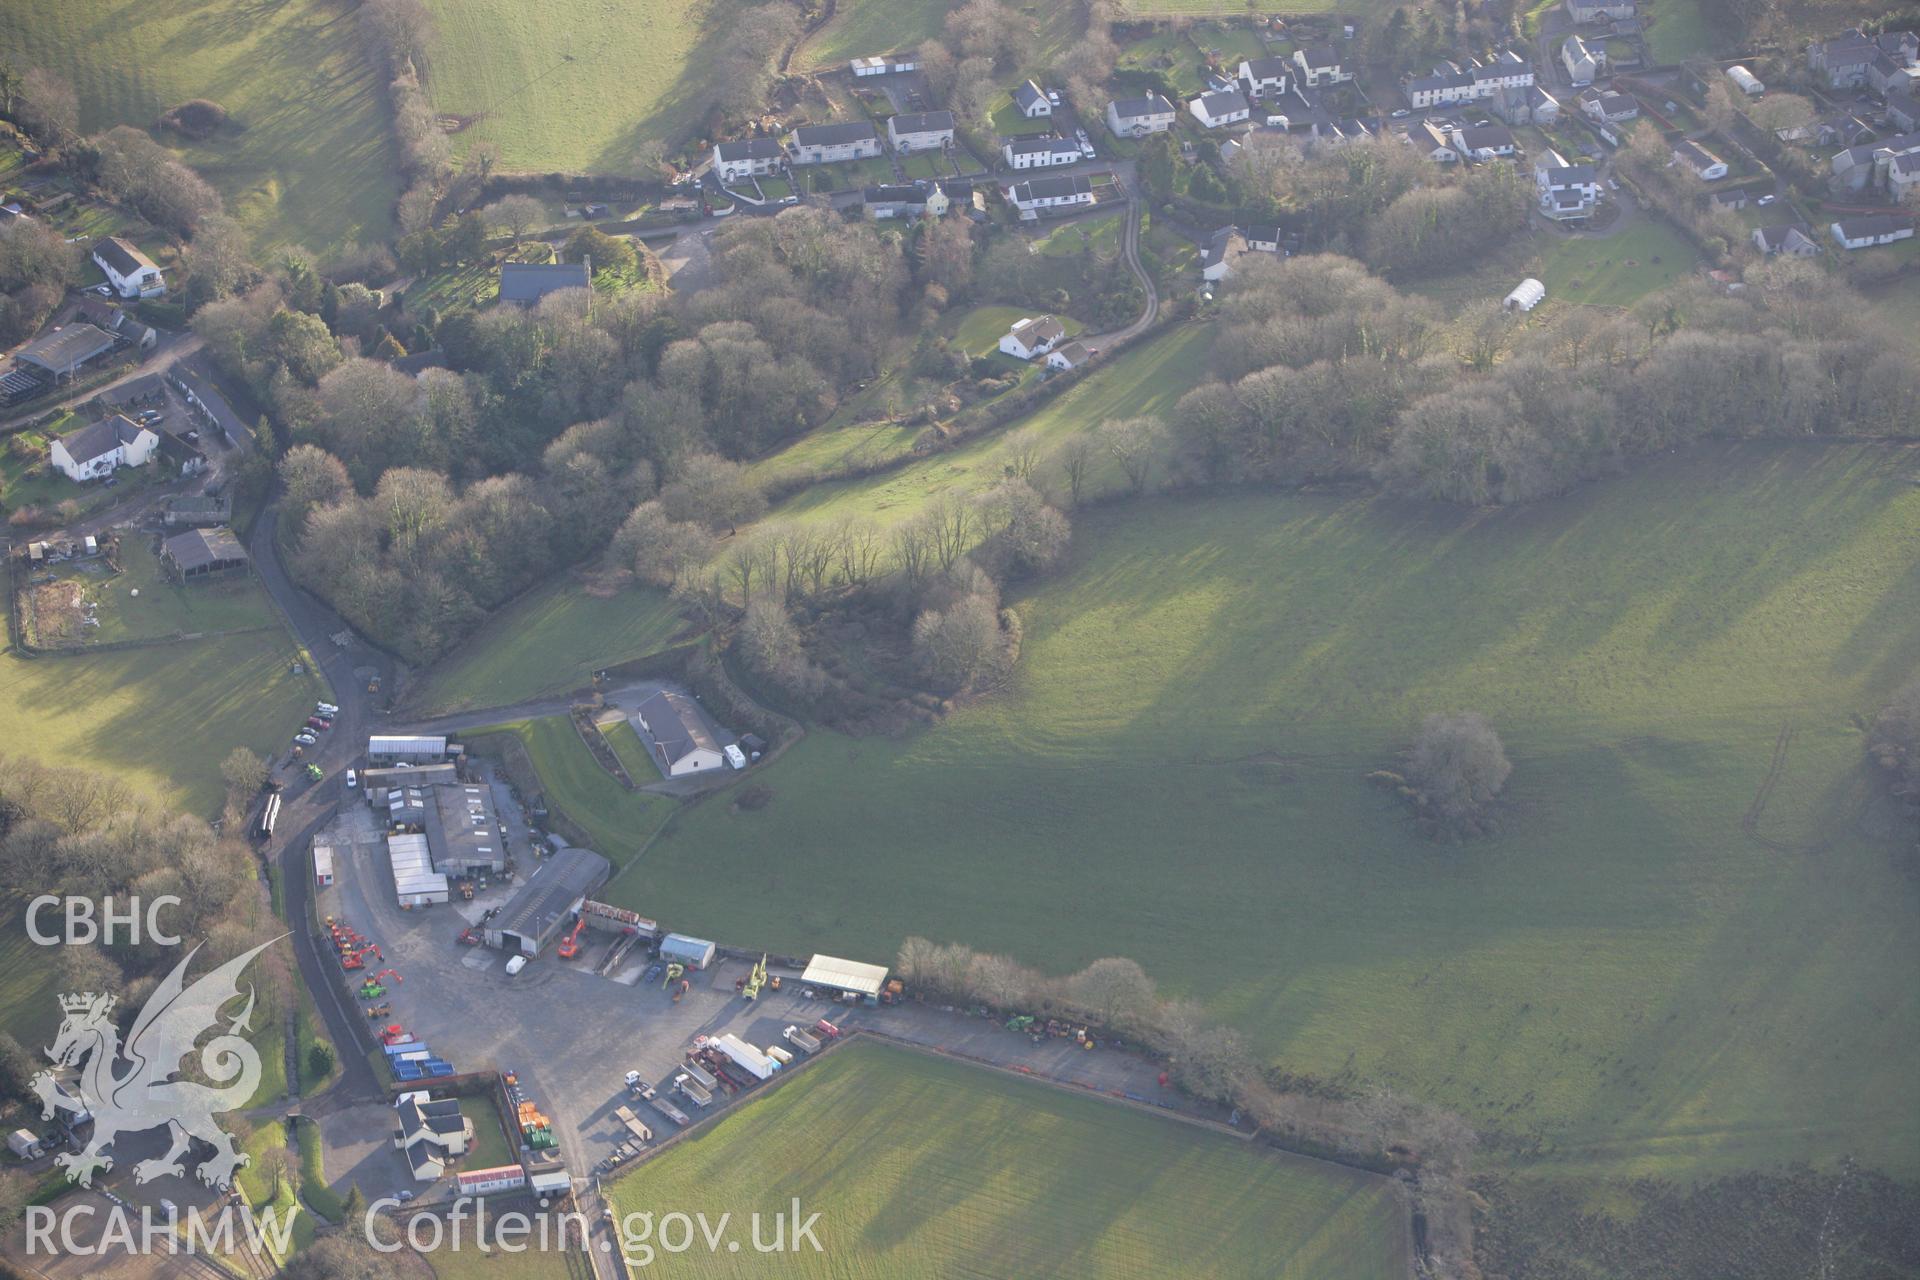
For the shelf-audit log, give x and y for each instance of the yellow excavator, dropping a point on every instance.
(756, 979)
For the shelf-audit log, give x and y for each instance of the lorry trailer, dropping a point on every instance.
(701, 1074)
(802, 1040)
(694, 1091)
(670, 1111)
(745, 1056)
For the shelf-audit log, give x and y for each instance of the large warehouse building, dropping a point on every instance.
(547, 902)
(393, 749)
(463, 834)
(849, 977)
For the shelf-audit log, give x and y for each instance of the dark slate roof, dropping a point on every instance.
(1268, 68)
(437, 1117)
(1035, 146)
(894, 195)
(1321, 55)
(198, 548)
(1038, 329)
(532, 281)
(99, 438)
(832, 135)
(1133, 108)
(673, 721)
(1028, 94)
(64, 348)
(923, 122)
(122, 256)
(1492, 136)
(751, 149)
(1775, 238)
(1217, 105)
(1051, 188)
(1873, 224)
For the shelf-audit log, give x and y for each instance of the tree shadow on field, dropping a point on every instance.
(679, 110)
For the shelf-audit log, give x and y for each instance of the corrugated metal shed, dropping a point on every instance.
(396, 747)
(542, 907)
(697, 952)
(415, 882)
(845, 975)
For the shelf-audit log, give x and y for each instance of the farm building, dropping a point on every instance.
(392, 749)
(102, 448)
(525, 283)
(480, 1182)
(377, 782)
(131, 273)
(1525, 296)
(677, 734)
(61, 353)
(322, 865)
(848, 976)
(415, 882)
(463, 833)
(199, 554)
(557, 1182)
(198, 510)
(548, 901)
(695, 953)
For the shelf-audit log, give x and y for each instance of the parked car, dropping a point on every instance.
(1766, 200)
(318, 725)
(1401, 113)
(353, 780)
(325, 709)
(305, 739)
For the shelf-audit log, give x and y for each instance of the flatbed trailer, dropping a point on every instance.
(670, 1111)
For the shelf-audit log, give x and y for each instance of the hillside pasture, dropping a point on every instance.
(863, 28)
(615, 821)
(547, 642)
(1684, 950)
(308, 159)
(919, 1166)
(574, 87)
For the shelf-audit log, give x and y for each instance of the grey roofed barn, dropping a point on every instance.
(66, 348)
(542, 907)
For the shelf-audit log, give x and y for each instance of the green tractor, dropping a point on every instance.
(371, 990)
(1020, 1022)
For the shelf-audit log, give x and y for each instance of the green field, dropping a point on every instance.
(632, 752)
(921, 1166)
(1145, 379)
(162, 718)
(863, 28)
(311, 162)
(615, 820)
(1664, 962)
(547, 642)
(489, 1149)
(574, 87)
(1617, 271)
(1679, 30)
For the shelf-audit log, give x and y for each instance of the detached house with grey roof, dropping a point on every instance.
(1138, 117)
(748, 157)
(920, 130)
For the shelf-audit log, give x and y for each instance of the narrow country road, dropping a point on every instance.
(1125, 176)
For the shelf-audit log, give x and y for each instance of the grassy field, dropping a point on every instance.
(920, 1166)
(1687, 948)
(574, 87)
(1146, 379)
(1620, 270)
(161, 718)
(632, 752)
(1679, 30)
(311, 161)
(861, 28)
(547, 642)
(489, 1149)
(615, 820)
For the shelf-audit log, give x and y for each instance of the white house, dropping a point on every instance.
(1431, 141)
(1039, 153)
(1903, 176)
(913, 201)
(1852, 59)
(1447, 86)
(1213, 110)
(1706, 166)
(1319, 64)
(833, 143)
(749, 157)
(105, 446)
(1585, 62)
(920, 131)
(1566, 192)
(1031, 101)
(1138, 117)
(1032, 336)
(1483, 141)
(1747, 82)
(1265, 77)
(131, 272)
(1058, 192)
(1604, 106)
(1070, 356)
(1789, 239)
(431, 1132)
(1873, 229)
(1216, 260)
(678, 735)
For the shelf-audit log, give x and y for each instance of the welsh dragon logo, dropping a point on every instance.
(144, 1094)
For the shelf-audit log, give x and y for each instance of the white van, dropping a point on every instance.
(515, 965)
(353, 780)
(736, 758)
